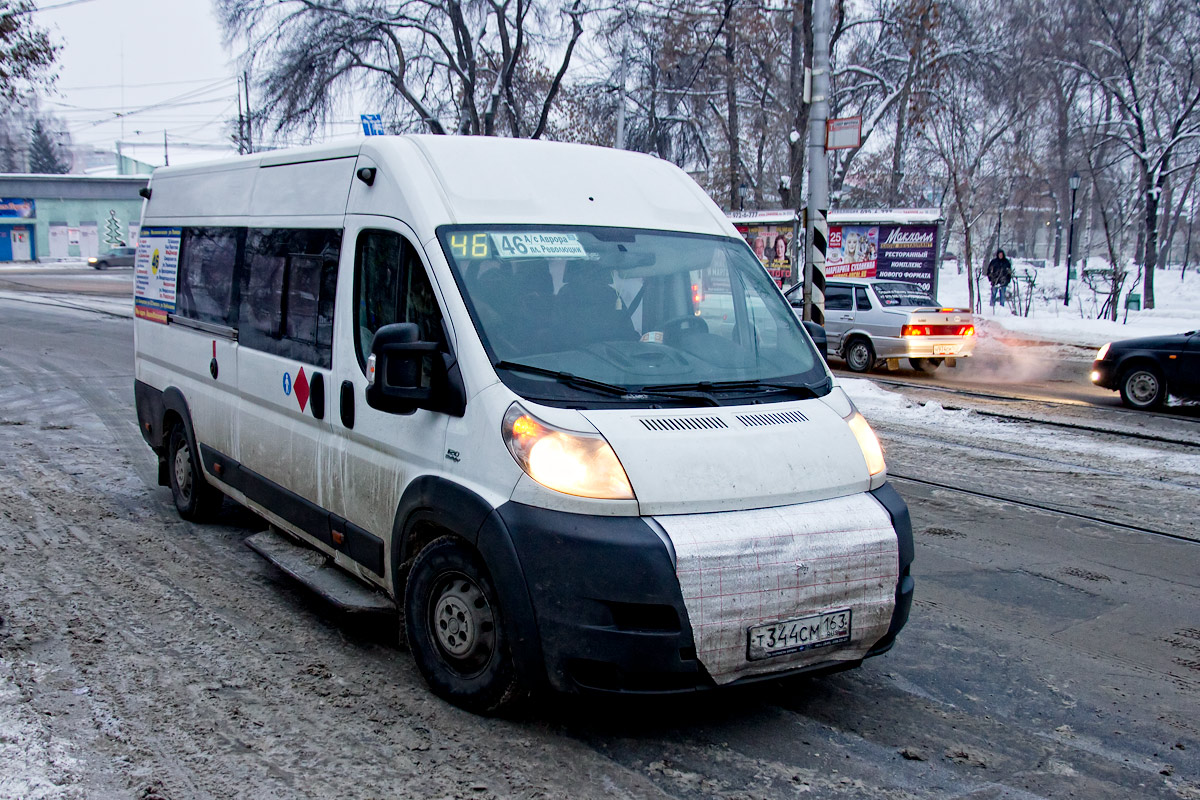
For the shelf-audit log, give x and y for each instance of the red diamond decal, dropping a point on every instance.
(301, 389)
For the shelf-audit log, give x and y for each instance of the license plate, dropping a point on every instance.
(945, 349)
(795, 635)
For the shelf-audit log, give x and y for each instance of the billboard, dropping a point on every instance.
(772, 243)
(892, 251)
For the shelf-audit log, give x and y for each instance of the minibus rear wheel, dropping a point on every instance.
(195, 499)
(455, 629)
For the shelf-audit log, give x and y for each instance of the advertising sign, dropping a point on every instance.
(155, 269)
(772, 243)
(16, 207)
(896, 252)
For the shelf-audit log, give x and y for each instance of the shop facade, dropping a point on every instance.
(67, 217)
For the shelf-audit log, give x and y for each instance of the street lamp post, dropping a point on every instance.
(743, 190)
(1073, 182)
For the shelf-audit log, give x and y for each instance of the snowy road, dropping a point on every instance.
(143, 657)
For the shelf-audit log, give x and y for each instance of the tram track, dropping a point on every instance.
(1042, 507)
(1016, 398)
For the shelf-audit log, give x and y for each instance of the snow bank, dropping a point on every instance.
(1176, 294)
(889, 410)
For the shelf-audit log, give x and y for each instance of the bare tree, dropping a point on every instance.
(1145, 57)
(978, 151)
(27, 54)
(463, 67)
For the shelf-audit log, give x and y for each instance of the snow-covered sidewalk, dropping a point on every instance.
(1177, 307)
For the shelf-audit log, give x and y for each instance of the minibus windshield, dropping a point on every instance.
(611, 315)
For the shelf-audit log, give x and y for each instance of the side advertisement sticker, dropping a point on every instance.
(154, 273)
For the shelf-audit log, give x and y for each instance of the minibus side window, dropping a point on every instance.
(288, 293)
(206, 269)
(391, 286)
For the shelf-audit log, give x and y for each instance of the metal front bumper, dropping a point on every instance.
(608, 611)
(1104, 374)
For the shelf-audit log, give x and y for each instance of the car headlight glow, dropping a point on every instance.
(867, 440)
(1103, 351)
(571, 462)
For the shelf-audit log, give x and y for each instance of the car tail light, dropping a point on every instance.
(938, 330)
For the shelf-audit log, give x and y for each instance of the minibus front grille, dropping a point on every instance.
(683, 423)
(773, 418)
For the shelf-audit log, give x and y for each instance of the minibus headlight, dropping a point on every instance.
(571, 462)
(1103, 351)
(867, 440)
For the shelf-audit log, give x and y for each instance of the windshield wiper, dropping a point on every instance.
(799, 389)
(567, 378)
(580, 382)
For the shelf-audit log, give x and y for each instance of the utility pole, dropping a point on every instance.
(620, 142)
(166, 158)
(120, 159)
(249, 114)
(818, 168)
(1073, 181)
(241, 137)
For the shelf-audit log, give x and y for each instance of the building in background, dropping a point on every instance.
(62, 217)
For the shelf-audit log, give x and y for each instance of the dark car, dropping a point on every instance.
(117, 257)
(1146, 370)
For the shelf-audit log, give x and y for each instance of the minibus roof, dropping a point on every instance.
(493, 180)
(434, 180)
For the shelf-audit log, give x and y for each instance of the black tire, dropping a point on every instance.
(926, 365)
(455, 629)
(859, 354)
(1143, 387)
(101, 264)
(196, 499)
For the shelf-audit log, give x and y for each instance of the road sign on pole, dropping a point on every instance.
(372, 124)
(843, 134)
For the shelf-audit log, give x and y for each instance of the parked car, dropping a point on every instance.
(1146, 370)
(868, 320)
(117, 257)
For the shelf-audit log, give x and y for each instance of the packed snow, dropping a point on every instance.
(1176, 299)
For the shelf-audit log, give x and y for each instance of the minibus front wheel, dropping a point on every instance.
(455, 628)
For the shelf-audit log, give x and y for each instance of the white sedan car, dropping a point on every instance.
(868, 320)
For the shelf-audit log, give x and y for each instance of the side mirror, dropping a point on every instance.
(818, 336)
(404, 373)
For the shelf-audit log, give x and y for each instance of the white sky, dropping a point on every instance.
(130, 69)
(165, 53)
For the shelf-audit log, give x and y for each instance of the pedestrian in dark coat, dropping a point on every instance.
(999, 274)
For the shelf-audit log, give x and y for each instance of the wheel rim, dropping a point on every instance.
(1142, 387)
(183, 470)
(858, 356)
(462, 622)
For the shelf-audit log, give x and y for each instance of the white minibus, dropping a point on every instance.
(541, 400)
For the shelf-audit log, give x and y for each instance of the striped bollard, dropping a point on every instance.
(816, 284)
